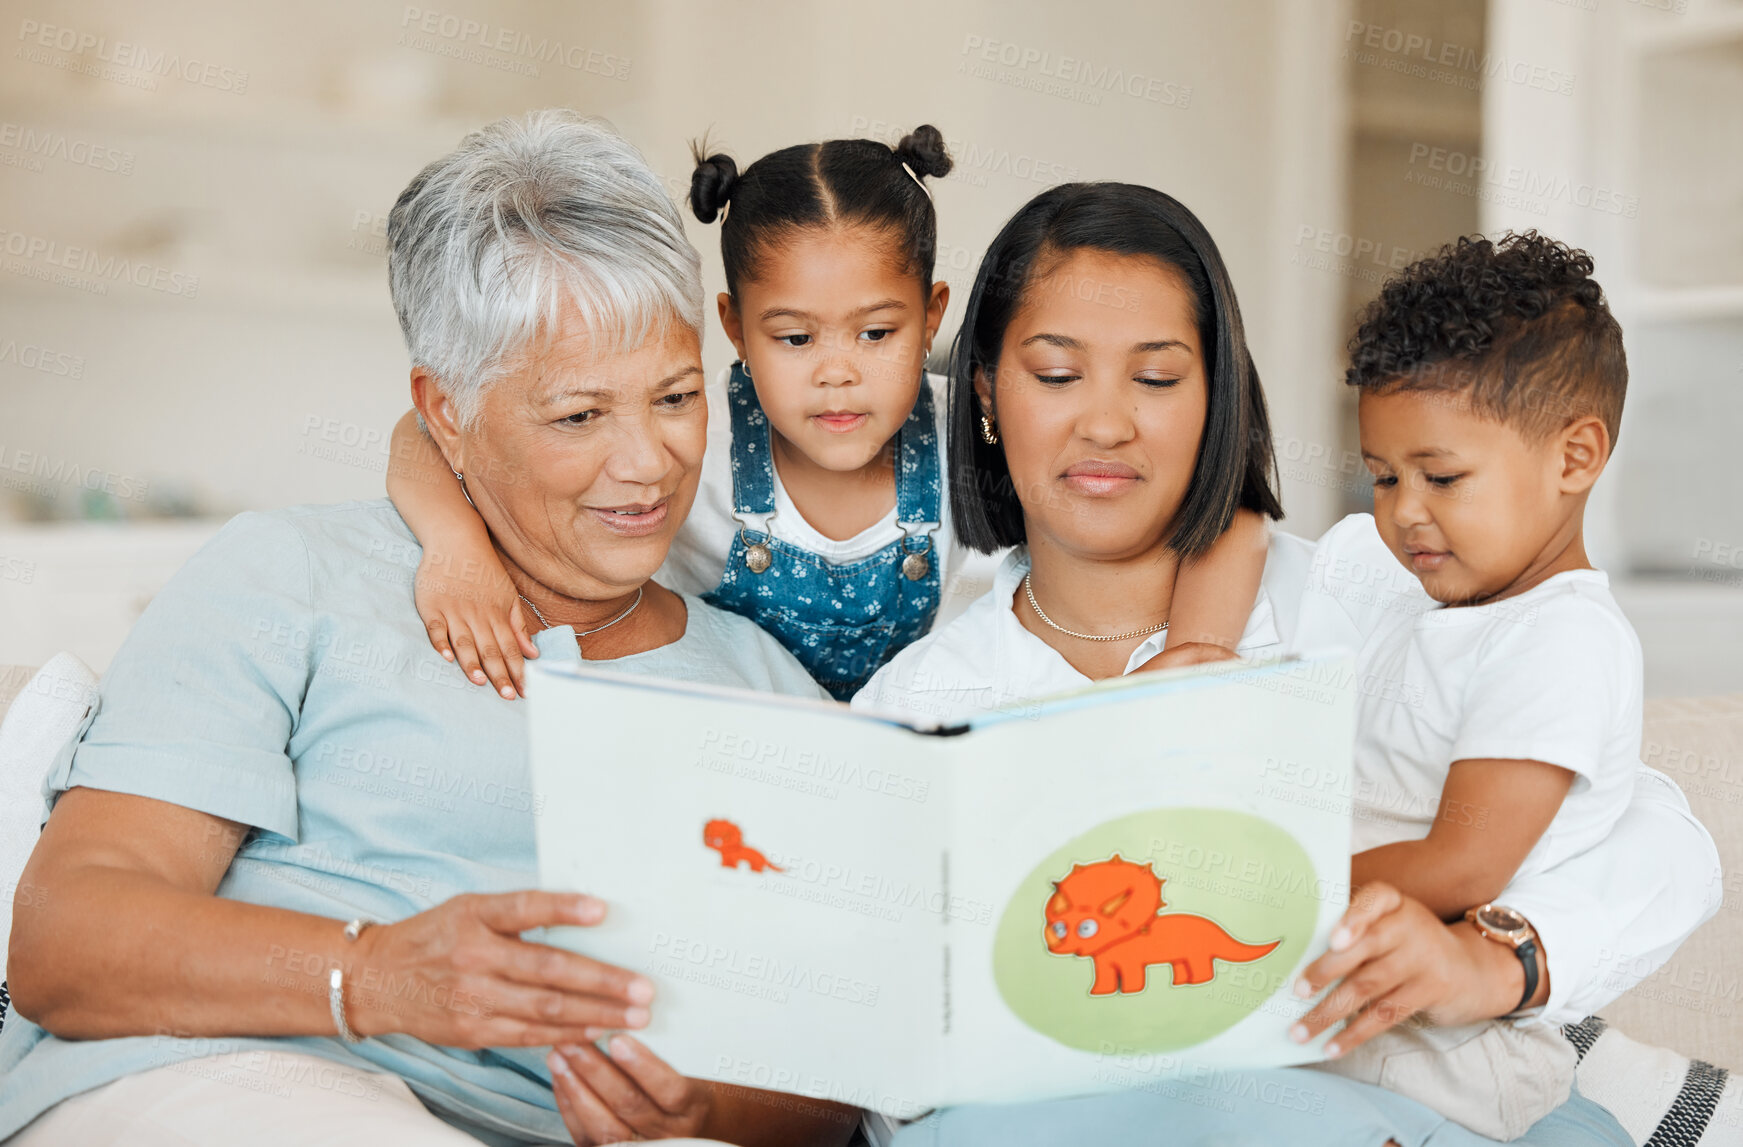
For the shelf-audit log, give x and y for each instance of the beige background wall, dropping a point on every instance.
(270, 196)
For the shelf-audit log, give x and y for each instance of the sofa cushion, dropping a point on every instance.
(13, 678)
(1695, 1002)
(1658, 1096)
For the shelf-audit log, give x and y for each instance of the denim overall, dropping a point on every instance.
(841, 621)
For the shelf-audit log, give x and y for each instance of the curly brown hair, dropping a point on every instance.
(1519, 326)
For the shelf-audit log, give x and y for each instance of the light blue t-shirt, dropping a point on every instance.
(283, 679)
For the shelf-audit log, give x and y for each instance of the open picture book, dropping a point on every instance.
(1091, 891)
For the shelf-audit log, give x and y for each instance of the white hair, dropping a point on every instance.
(488, 242)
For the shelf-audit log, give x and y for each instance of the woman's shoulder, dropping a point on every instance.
(278, 541)
(341, 521)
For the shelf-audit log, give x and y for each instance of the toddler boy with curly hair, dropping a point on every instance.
(1503, 732)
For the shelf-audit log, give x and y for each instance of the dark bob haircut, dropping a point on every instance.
(1236, 461)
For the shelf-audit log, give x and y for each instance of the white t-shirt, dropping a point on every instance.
(986, 659)
(1553, 674)
(698, 556)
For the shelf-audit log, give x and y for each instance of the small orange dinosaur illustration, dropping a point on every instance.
(1108, 911)
(725, 838)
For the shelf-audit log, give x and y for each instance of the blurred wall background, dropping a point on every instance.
(194, 316)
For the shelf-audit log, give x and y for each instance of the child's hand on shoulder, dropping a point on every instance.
(480, 624)
(1187, 653)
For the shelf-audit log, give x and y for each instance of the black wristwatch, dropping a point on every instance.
(1505, 926)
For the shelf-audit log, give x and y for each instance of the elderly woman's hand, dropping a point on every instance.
(1392, 958)
(459, 975)
(630, 1094)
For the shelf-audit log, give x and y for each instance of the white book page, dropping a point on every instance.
(819, 974)
(1231, 789)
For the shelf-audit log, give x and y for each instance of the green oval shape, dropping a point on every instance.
(1251, 879)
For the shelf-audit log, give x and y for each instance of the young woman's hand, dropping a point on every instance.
(459, 975)
(629, 1094)
(1392, 958)
(477, 620)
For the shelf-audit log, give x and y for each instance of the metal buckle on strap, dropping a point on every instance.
(757, 555)
(915, 564)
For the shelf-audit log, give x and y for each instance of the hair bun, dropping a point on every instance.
(923, 150)
(711, 184)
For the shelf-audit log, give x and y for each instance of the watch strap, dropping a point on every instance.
(1527, 953)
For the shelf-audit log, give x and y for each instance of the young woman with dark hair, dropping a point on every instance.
(1233, 464)
(1110, 425)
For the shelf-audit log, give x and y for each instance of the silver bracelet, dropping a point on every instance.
(336, 986)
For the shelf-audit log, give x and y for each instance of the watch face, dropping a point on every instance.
(1499, 919)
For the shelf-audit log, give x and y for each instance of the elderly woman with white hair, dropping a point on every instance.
(281, 895)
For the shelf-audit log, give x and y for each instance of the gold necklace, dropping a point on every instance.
(1042, 614)
(596, 629)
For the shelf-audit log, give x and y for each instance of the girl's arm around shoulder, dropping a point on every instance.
(463, 594)
(1214, 595)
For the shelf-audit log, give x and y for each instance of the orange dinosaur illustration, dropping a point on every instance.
(1108, 911)
(725, 838)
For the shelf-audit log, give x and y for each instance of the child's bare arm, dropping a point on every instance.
(1214, 593)
(463, 594)
(1491, 815)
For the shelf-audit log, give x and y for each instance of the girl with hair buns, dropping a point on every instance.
(824, 508)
